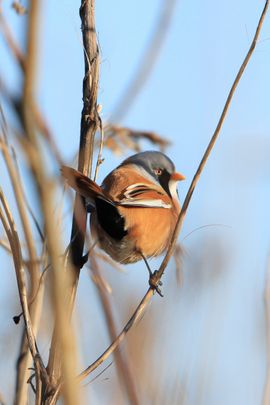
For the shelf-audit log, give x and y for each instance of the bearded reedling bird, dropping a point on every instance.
(134, 211)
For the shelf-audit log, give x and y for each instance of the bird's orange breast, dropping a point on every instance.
(149, 228)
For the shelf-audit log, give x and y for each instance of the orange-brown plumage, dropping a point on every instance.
(135, 215)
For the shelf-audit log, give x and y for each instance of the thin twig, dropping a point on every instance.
(136, 315)
(16, 318)
(99, 374)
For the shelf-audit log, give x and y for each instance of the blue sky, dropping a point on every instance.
(218, 338)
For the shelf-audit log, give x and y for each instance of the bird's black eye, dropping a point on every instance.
(158, 171)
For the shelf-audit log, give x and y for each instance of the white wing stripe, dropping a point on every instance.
(135, 185)
(145, 203)
(139, 188)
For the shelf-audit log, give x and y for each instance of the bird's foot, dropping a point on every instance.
(155, 283)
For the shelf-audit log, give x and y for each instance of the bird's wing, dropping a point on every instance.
(108, 215)
(84, 186)
(134, 195)
(144, 195)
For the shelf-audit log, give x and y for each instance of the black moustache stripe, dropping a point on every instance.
(164, 179)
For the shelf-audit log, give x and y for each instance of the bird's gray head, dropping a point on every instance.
(157, 164)
(151, 161)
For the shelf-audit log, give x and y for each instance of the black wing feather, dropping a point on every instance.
(110, 219)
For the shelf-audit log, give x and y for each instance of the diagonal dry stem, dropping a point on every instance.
(136, 315)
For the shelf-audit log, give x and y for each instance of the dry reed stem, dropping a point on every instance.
(136, 315)
(90, 122)
(60, 279)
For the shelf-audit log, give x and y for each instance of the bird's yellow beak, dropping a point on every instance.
(177, 176)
